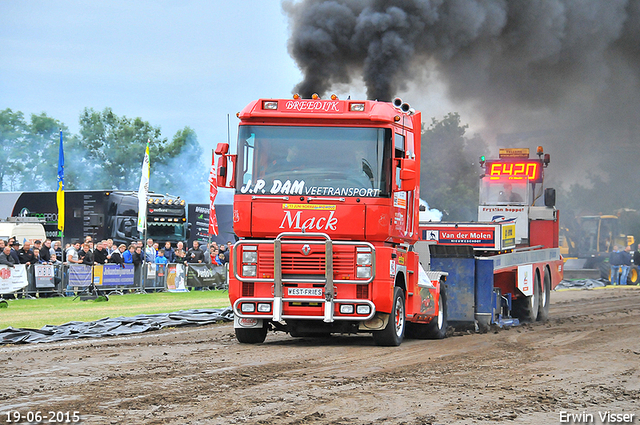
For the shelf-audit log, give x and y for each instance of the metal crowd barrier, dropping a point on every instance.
(74, 279)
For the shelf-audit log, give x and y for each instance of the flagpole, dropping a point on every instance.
(143, 190)
(60, 196)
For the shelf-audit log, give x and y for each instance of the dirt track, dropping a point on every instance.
(585, 359)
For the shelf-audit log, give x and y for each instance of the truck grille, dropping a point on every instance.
(314, 263)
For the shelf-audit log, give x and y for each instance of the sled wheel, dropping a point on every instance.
(545, 298)
(526, 308)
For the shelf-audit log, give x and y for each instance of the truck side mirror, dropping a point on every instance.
(223, 163)
(550, 197)
(408, 174)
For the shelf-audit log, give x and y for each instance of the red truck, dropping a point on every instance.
(326, 206)
(327, 211)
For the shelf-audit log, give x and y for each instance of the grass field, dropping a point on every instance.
(35, 313)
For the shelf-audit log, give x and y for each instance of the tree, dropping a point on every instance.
(111, 148)
(13, 132)
(450, 170)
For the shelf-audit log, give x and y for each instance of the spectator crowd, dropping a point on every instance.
(105, 251)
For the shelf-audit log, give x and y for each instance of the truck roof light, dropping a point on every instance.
(334, 97)
(539, 151)
(356, 107)
(396, 118)
(315, 96)
(163, 201)
(182, 202)
(270, 104)
(296, 96)
(170, 201)
(157, 201)
(150, 201)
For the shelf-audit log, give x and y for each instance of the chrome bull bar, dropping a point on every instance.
(278, 280)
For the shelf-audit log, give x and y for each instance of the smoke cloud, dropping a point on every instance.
(561, 73)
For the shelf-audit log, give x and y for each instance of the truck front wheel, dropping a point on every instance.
(393, 334)
(251, 335)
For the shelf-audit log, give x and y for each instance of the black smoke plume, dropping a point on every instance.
(561, 73)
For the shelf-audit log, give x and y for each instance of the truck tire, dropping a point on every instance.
(393, 334)
(526, 308)
(437, 328)
(251, 335)
(545, 298)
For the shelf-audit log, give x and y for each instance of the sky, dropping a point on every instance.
(174, 64)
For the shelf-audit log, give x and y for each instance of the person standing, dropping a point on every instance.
(168, 252)
(100, 254)
(6, 258)
(615, 261)
(150, 252)
(636, 256)
(26, 254)
(116, 256)
(195, 254)
(625, 264)
(87, 258)
(127, 256)
(15, 247)
(179, 253)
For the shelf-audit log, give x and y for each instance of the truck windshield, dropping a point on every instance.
(503, 192)
(172, 232)
(314, 161)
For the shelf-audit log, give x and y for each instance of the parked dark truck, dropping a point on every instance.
(101, 214)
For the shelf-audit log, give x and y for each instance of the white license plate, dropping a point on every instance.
(304, 292)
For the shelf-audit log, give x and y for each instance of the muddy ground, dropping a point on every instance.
(585, 359)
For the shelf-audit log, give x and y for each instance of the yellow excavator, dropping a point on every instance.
(586, 247)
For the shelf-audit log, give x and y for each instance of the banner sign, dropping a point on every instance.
(206, 275)
(113, 275)
(175, 278)
(79, 275)
(12, 279)
(44, 275)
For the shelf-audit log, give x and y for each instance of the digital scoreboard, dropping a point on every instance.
(522, 169)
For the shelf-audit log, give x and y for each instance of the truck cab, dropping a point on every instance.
(326, 208)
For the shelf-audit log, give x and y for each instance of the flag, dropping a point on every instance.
(143, 190)
(60, 194)
(213, 192)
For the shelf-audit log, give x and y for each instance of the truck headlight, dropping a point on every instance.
(363, 309)
(363, 259)
(247, 307)
(363, 272)
(249, 257)
(250, 270)
(346, 308)
(264, 307)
